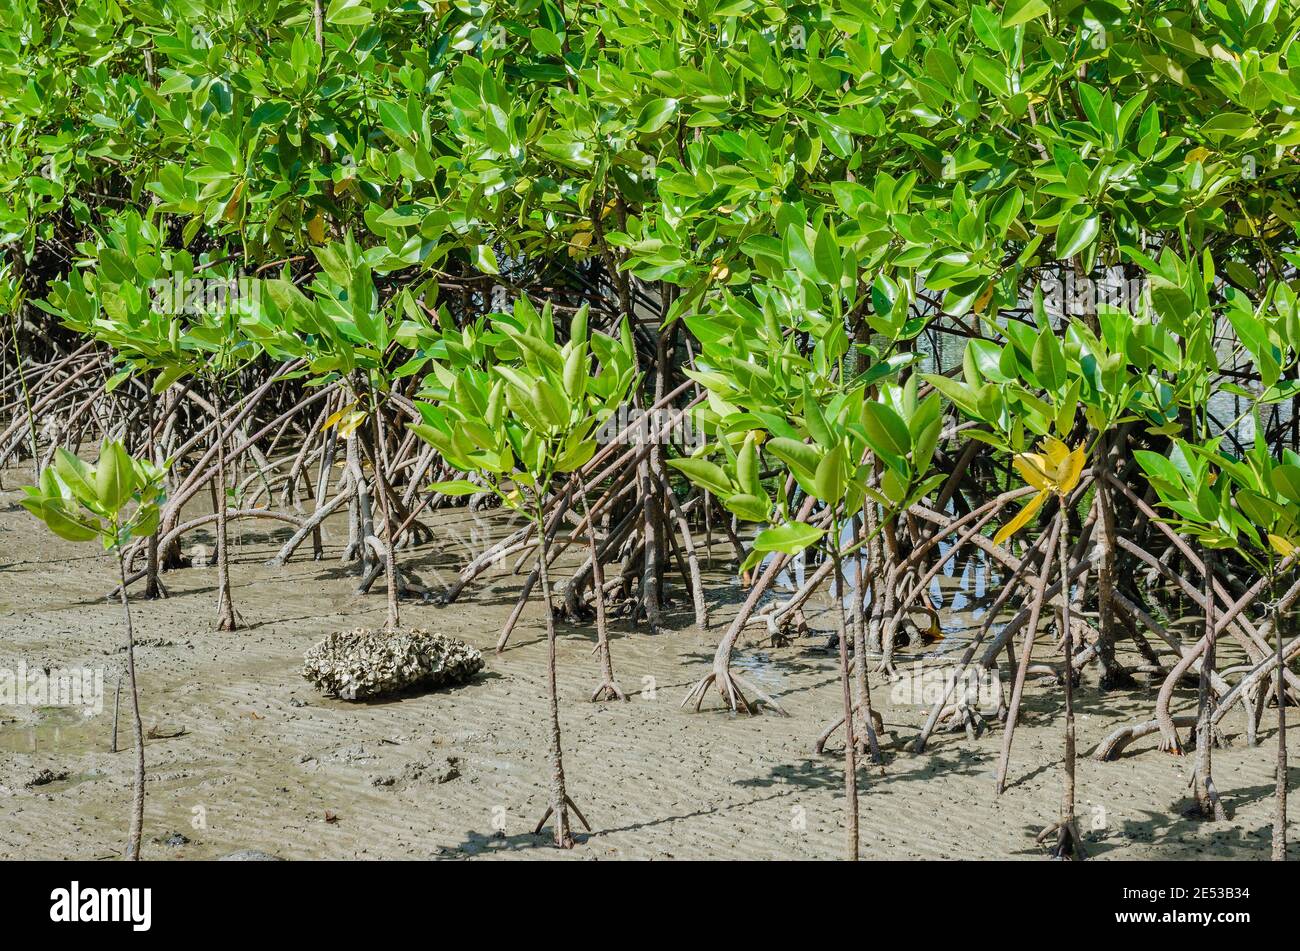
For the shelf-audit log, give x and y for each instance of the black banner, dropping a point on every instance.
(338, 901)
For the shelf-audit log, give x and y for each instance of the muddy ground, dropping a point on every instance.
(244, 754)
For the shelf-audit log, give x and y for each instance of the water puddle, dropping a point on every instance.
(57, 729)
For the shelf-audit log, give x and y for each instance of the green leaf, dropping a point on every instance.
(63, 522)
(752, 508)
(655, 114)
(1076, 232)
(1017, 12)
(485, 259)
(114, 477)
(707, 475)
(790, 538)
(802, 458)
(553, 404)
(1286, 480)
(832, 475)
(145, 521)
(348, 13)
(77, 476)
(1048, 361)
(886, 432)
(457, 487)
(747, 467)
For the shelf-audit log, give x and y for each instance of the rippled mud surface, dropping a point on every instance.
(243, 754)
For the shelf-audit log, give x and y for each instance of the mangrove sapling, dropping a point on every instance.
(519, 410)
(348, 336)
(1251, 506)
(114, 500)
(824, 439)
(1208, 803)
(1280, 767)
(1054, 472)
(131, 303)
(608, 689)
(12, 302)
(759, 380)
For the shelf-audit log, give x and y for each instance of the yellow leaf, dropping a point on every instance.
(1074, 469)
(1281, 545)
(1033, 468)
(334, 418)
(1056, 451)
(232, 207)
(350, 424)
(1021, 519)
(1056, 469)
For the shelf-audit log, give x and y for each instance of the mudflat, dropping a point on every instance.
(244, 754)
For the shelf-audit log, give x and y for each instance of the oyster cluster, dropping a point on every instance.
(365, 663)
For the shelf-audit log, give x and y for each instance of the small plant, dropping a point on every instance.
(520, 410)
(1055, 472)
(114, 500)
(824, 428)
(1251, 507)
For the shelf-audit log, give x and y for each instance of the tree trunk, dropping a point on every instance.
(153, 586)
(1021, 669)
(608, 687)
(1068, 827)
(1112, 674)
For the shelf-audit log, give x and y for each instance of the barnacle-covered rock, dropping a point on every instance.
(365, 663)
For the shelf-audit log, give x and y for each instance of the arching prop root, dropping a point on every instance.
(959, 717)
(1113, 745)
(732, 687)
(407, 585)
(550, 810)
(609, 690)
(866, 734)
(1210, 810)
(1068, 844)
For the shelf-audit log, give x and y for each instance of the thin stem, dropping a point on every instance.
(385, 512)
(225, 606)
(850, 742)
(1067, 801)
(137, 723)
(1279, 814)
(559, 795)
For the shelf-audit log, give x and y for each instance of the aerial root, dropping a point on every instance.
(964, 717)
(1210, 808)
(550, 811)
(1069, 843)
(1113, 745)
(730, 686)
(407, 587)
(888, 669)
(609, 690)
(866, 735)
